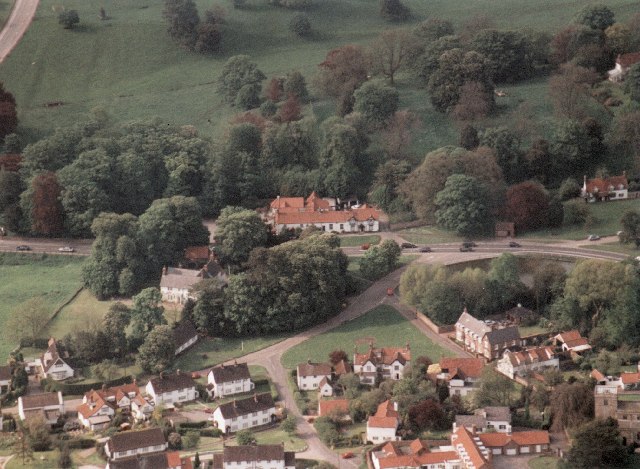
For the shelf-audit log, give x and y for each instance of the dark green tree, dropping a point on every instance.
(238, 232)
(462, 206)
(157, 352)
(508, 54)
(598, 444)
(630, 222)
(300, 25)
(68, 18)
(595, 16)
(632, 82)
(237, 73)
(376, 102)
(394, 10)
(380, 260)
(208, 313)
(506, 146)
(8, 117)
(183, 19)
(146, 312)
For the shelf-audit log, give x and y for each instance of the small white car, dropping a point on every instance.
(66, 249)
(593, 237)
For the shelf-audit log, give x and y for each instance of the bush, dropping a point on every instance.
(300, 25)
(68, 18)
(76, 389)
(569, 189)
(268, 109)
(200, 424)
(211, 432)
(293, 4)
(82, 443)
(394, 10)
(576, 212)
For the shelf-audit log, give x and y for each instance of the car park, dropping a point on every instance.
(66, 249)
(513, 244)
(425, 249)
(408, 246)
(23, 247)
(593, 237)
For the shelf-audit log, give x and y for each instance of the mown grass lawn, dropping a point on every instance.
(386, 326)
(543, 462)
(273, 436)
(23, 276)
(629, 249)
(128, 65)
(5, 10)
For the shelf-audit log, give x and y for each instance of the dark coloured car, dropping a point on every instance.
(466, 249)
(469, 244)
(408, 246)
(23, 247)
(425, 249)
(513, 244)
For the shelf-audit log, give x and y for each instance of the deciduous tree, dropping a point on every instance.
(147, 312)
(462, 205)
(376, 102)
(183, 19)
(595, 16)
(527, 205)
(239, 71)
(343, 70)
(157, 352)
(28, 318)
(68, 18)
(494, 389)
(390, 51)
(8, 113)
(47, 212)
(238, 232)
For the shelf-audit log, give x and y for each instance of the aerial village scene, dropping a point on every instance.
(319, 234)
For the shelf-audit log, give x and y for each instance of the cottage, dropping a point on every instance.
(572, 341)
(245, 413)
(623, 63)
(99, 407)
(309, 375)
(53, 364)
(486, 419)
(170, 460)
(325, 388)
(487, 339)
(253, 457)
(197, 255)
(6, 374)
(176, 283)
(513, 444)
(133, 443)
(460, 374)
(619, 399)
(184, 335)
(50, 405)
(514, 364)
(226, 380)
(383, 425)
(172, 388)
(296, 212)
(519, 315)
(610, 188)
(141, 408)
(384, 362)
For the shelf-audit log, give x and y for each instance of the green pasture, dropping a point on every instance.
(5, 10)
(386, 326)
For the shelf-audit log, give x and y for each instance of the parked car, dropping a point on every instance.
(408, 246)
(66, 249)
(23, 247)
(365, 246)
(466, 249)
(389, 291)
(195, 375)
(424, 249)
(513, 244)
(593, 237)
(469, 244)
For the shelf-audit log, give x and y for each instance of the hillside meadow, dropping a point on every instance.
(129, 67)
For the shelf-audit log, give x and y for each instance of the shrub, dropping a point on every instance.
(575, 212)
(211, 432)
(394, 10)
(68, 19)
(200, 424)
(300, 25)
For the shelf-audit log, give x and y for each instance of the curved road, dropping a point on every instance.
(21, 15)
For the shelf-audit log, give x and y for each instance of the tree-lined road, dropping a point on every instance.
(21, 15)
(46, 245)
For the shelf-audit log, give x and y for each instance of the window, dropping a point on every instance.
(234, 419)
(605, 402)
(330, 226)
(502, 427)
(254, 414)
(341, 227)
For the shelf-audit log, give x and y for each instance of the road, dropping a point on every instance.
(17, 24)
(46, 245)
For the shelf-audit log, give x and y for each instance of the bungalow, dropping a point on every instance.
(172, 388)
(487, 339)
(486, 419)
(184, 335)
(50, 405)
(460, 374)
(53, 364)
(245, 413)
(6, 374)
(253, 457)
(610, 188)
(519, 363)
(386, 362)
(383, 425)
(623, 63)
(170, 460)
(134, 443)
(572, 341)
(226, 380)
(334, 407)
(309, 375)
(296, 212)
(512, 444)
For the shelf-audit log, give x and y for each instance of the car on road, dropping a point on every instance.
(466, 249)
(66, 249)
(593, 237)
(408, 246)
(513, 244)
(469, 244)
(424, 249)
(23, 247)
(347, 455)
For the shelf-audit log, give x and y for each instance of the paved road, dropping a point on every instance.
(17, 24)
(46, 245)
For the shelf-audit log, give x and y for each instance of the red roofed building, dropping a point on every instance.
(623, 63)
(460, 374)
(10, 161)
(335, 406)
(383, 425)
(296, 212)
(470, 449)
(535, 441)
(388, 362)
(572, 341)
(611, 188)
(413, 454)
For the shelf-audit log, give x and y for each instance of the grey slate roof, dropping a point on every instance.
(227, 373)
(314, 369)
(126, 441)
(257, 403)
(172, 382)
(499, 336)
(473, 324)
(147, 461)
(184, 332)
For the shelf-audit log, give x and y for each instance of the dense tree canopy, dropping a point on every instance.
(238, 232)
(462, 205)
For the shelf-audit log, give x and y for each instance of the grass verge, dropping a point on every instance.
(351, 241)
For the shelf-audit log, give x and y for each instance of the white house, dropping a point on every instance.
(226, 380)
(325, 388)
(513, 444)
(572, 341)
(96, 414)
(610, 188)
(176, 283)
(5, 378)
(168, 460)
(519, 363)
(50, 405)
(486, 419)
(383, 425)
(184, 335)
(172, 388)
(253, 457)
(623, 63)
(141, 408)
(309, 375)
(245, 413)
(99, 407)
(53, 364)
(133, 443)
(460, 374)
(387, 362)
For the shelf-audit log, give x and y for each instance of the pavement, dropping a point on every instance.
(16, 26)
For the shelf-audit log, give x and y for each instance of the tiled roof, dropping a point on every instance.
(627, 60)
(5, 373)
(56, 354)
(581, 342)
(335, 405)
(314, 369)
(287, 203)
(385, 417)
(236, 408)
(411, 454)
(183, 332)
(534, 355)
(471, 446)
(604, 185)
(384, 355)
(37, 401)
(227, 373)
(496, 413)
(171, 382)
(180, 278)
(116, 392)
(568, 336)
(500, 336)
(519, 312)
(170, 460)
(126, 441)
(474, 325)
(630, 378)
(330, 216)
(499, 440)
(468, 367)
(195, 253)
(87, 410)
(253, 453)
(342, 368)
(597, 375)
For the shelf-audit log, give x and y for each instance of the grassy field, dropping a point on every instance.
(268, 437)
(383, 324)
(24, 276)
(629, 249)
(84, 309)
(351, 241)
(425, 235)
(5, 10)
(158, 78)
